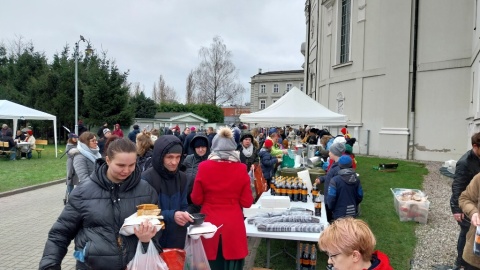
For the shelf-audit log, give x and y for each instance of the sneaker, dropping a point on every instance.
(23, 158)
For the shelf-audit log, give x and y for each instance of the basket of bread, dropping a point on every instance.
(149, 212)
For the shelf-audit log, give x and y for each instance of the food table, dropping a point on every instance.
(252, 231)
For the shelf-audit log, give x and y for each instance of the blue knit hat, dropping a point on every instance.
(345, 162)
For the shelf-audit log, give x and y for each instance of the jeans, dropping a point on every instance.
(462, 239)
(13, 153)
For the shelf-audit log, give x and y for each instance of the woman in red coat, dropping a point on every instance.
(222, 187)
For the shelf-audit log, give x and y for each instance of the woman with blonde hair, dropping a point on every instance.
(144, 150)
(88, 153)
(349, 244)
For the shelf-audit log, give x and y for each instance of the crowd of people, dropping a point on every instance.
(23, 151)
(194, 171)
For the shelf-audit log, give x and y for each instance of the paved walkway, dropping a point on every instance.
(26, 218)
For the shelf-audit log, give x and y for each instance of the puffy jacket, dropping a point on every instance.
(380, 261)
(191, 163)
(467, 167)
(345, 193)
(132, 135)
(267, 162)
(95, 211)
(171, 191)
(144, 162)
(82, 165)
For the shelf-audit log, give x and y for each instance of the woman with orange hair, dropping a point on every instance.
(349, 244)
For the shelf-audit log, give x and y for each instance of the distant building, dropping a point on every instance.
(231, 114)
(171, 119)
(268, 87)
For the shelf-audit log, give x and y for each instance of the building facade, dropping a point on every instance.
(231, 114)
(406, 73)
(268, 87)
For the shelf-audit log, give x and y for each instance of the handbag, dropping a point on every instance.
(149, 260)
(260, 182)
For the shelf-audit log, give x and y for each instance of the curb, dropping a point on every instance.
(25, 189)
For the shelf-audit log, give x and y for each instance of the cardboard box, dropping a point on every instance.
(409, 209)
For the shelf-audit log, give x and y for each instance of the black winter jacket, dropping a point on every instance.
(95, 211)
(171, 191)
(253, 159)
(467, 167)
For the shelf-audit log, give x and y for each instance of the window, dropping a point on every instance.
(274, 100)
(301, 86)
(345, 18)
(289, 86)
(275, 88)
(263, 102)
(262, 88)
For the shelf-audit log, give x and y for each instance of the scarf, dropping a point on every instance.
(91, 153)
(247, 151)
(231, 155)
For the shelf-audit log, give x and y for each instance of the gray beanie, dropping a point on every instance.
(337, 149)
(224, 140)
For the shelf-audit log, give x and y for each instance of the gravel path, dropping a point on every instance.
(437, 240)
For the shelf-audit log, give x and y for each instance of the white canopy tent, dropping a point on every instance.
(14, 111)
(295, 108)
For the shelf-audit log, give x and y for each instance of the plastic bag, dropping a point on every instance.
(174, 258)
(196, 258)
(150, 260)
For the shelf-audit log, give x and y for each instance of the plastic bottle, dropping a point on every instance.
(476, 244)
(304, 193)
(272, 186)
(318, 207)
(288, 187)
(313, 258)
(314, 192)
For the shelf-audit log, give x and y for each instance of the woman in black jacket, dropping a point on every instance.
(96, 210)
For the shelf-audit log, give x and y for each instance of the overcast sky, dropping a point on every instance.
(162, 37)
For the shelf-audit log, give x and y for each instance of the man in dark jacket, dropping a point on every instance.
(345, 192)
(467, 167)
(171, 186)
(184, 135)
(133, 134)
(211, 134)
(186, 144)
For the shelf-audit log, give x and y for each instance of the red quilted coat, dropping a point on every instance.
(223, 188)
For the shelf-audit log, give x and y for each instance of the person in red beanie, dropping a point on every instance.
(267, 161)
(349, 244)
(345, 133)
(27, 150)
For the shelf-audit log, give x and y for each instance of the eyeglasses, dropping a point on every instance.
(93, 140)
(333, 256)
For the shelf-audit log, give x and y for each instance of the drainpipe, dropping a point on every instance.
(411, 142)
(307, 48)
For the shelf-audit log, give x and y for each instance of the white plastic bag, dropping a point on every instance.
(195, 255)
(151, 260)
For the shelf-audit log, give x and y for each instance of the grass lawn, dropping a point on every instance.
(395, 238)
(29, 172)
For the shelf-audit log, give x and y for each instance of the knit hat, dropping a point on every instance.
(193, 128)
(4, 126)
(30, 132)
(175, 149)
(224, 140)
(337, 149)
(199, 142)
(244, 136)
(106, 130)
(345, 162)
(348, 149)
(72, 135)
(268, 144)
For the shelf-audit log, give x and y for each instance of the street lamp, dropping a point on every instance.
(88, 51)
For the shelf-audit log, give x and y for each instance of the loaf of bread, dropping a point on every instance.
(148, 210)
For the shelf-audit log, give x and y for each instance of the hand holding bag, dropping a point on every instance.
(151, 260)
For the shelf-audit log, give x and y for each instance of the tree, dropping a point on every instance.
(190, 97)
(163, 93)
(143, 106)
(215, 77)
